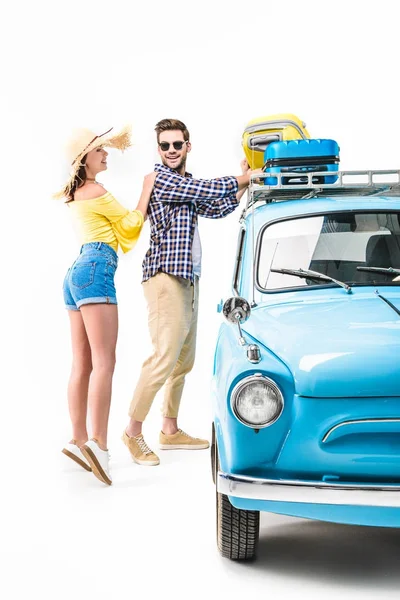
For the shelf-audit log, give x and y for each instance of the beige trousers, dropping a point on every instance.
(172, 304)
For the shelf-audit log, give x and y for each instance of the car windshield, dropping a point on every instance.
(351, 247)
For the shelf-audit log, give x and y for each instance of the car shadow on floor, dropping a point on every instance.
(331, 553)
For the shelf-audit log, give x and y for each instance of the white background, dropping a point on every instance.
(214, 65)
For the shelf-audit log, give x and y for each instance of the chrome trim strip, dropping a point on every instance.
(392, 306)
(344, 423)
(309, 492)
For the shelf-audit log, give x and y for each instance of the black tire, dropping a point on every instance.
(237, 530)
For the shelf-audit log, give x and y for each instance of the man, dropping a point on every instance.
(171, 271)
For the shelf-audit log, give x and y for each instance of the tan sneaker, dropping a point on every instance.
(181, 441)
(140, 452)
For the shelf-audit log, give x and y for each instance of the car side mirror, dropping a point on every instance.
(237, 310)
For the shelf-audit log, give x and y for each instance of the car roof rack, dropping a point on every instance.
(348, 183)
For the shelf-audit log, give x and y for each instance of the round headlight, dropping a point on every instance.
(257, 401)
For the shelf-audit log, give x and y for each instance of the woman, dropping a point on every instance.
(89, 292)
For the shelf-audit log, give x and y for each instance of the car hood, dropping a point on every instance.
(343, 346)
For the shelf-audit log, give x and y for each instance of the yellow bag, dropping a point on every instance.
(264, 130)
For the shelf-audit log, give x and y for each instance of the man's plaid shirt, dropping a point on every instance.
(173, 208)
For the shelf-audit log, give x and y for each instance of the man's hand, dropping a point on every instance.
(244, 166)
(243, 180)
(254, 172)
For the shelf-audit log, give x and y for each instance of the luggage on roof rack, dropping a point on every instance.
(261, 132)
(299, 157)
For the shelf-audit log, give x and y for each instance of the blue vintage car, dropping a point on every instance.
(306, 384)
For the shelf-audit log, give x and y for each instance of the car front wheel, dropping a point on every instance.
(237, 529)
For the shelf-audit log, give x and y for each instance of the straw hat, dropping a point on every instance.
(83, 141)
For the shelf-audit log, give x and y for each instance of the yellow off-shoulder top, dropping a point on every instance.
(104, 219)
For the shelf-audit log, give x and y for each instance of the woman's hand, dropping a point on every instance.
(148, 181)
(148, 184)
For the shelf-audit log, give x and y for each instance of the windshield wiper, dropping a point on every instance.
(385, 270)
(306, 274)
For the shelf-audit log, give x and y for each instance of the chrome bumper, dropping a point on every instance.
(308, 492)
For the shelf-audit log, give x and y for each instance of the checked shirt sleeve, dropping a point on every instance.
(219, 208)
(171, 187)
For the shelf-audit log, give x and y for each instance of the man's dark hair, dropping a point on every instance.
(171, 125)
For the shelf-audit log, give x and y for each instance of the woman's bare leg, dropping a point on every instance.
(79, 379)
(101, 324)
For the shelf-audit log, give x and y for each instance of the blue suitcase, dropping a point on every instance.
(299, 157)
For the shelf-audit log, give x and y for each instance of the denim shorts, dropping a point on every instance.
(90, 280)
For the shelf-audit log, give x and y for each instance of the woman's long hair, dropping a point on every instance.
(78, 181)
